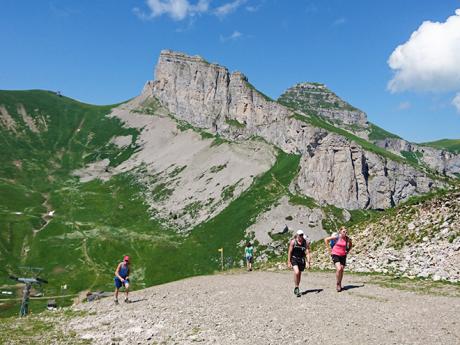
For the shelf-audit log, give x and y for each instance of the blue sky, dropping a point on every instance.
(103, 51)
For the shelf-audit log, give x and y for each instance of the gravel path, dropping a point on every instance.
(260, 308)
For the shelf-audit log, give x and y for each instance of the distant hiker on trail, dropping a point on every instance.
(299, 248)
(338, 252)
(249, 255)
(122, 278)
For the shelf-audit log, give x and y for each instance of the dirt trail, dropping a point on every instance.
(260, 308)
(46, 217)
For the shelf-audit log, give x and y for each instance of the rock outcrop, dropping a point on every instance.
(420, 240)
(344, 174)
(334, 169)
(442, 161)
(286, 218)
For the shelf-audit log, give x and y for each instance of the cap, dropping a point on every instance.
(299, 232)
(126, 258)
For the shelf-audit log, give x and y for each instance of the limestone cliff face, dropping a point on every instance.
(333, 169)
(208, 96)
(345, 175)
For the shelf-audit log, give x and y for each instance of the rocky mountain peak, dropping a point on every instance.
(310, 85)
(317, 99)
(209, 96)
(171, 55)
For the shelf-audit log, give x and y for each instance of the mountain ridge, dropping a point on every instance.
(318, 101)
(208, 96)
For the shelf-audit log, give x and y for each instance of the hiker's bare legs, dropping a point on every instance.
(116, 294)
(339, 274)
(297, 275)
(126, 285)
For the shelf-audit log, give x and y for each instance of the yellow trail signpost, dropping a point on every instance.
(221, 250)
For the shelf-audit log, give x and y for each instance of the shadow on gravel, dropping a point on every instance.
(138, 300)
(349, 287)
(311, 290)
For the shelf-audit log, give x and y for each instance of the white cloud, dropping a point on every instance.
(430, 59)
(456, 102)
(339, 21)
(234, 36)
(228, 8)
(181, 9)
(176, 9)
(60, 11)
(404, 105)
(252, 8)
(311, 8)
(140, 14)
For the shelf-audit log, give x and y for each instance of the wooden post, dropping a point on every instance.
(221, 250)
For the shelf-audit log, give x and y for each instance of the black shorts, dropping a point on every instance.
(300, 262)
(341, 259)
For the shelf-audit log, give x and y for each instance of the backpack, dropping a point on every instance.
(334, 241)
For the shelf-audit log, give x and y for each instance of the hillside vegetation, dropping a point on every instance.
(46, 214)
(77, 232)
(452, 145)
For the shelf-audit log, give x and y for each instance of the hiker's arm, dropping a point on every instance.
(326, 242)
(291, 244)
(350, 245)
(308, 255)
(117, 272)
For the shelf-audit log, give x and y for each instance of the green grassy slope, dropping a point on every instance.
(35, 178)
(318, 121)
(452, 145)
(378, 133)
(95, 223)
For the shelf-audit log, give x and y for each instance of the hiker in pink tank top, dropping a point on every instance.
(339, 246)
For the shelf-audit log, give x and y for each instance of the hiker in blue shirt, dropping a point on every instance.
(122, 278)
(249, 255)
